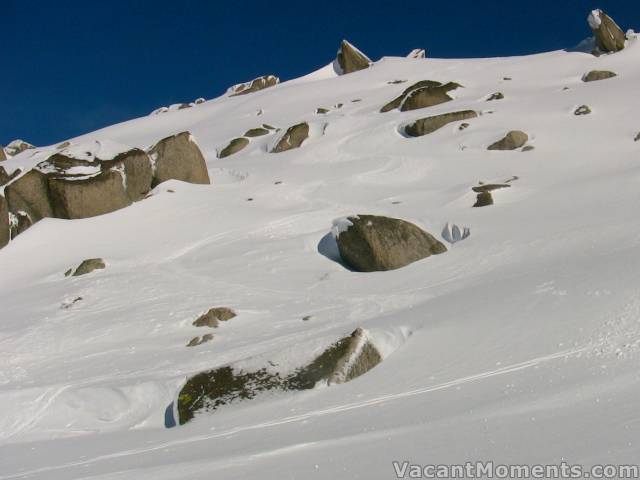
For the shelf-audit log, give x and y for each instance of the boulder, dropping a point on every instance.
(6, 177)
(213, 317)
(423, 126)
(425, 93)
(30, 194)
(369, 243)
(350, 59)
(16, 147)
(234, 146)
(88, 266)
(582, 110)
(5, 230)
(3, 155)
(178, 157)
(417, 53)
(512, 140)
(484, 197)
(595, 75)
(254, 85)
(609, 36)
(138, 172)
(88, 196)
(637, 139)
(348, 358)
(195, 341)
(322, 111)
(256, 132)
(292, 138)
(495, 96)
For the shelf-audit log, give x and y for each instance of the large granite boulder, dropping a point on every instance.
(178, 157)
(369, 243)
(348, 358)
(292, 138)
(5, 230)
(595, 75)
(512, 140)
(350, 59)
(17, 146)
(234, 146)
(425, 93)
(3, 156)
(30, 194)
(424, 126)
(609, 36)
(254, 85)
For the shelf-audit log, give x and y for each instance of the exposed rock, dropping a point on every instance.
(234, 146)
(417, 53)
(268, 127)
(138, 172)
(341, 362)
(178, 157)
(370, 243)
(16, 147)
(582, 110)
(213, 317)
(88, 266)
(183, 106)
(528, 148)
(595, 75)
(256, 132)
(425, 93)
(3, 156)
(514, 139)
(195, 341)
(427, 125)
(496, 96)
(198, 101)
(395, 82)
(338, 105)
(609, 36)
(292, 138)
(350, 59)
(483, 199)
(5, 230)
(6, 178)
(463, 126)
(30, 194)
(254, 85)
(637, 137)
(19, 222)
(322, 111)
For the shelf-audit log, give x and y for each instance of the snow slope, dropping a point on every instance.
(520, 345)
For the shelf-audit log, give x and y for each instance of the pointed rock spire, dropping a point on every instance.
(350, 59)
(609, 36)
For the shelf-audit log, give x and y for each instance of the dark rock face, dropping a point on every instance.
(609, 36)
(322, 111)
(3, 156)
(582, 110)
(514, 139)
(637, 137)
(425, 93)
(256, 132)
(424, 126)
(30, 194)
(351, 59)
(88, 266)
(341, 362)
(484, 197)
(292, 138)
(213, 317)
(495, 96)
(595, 75)
(195, 341)
(138, 173)
(369, 243)
(178, 157)
(254, 85)
(234, 146)
(528, 148)
(6, 178)
(5, 231)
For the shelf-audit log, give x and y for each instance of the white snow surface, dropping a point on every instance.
(524, 342)
(594, 19)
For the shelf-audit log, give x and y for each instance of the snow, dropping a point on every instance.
(340, 225)
(594, 19)
(501, 347)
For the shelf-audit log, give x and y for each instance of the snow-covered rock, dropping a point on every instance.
(609, 36)
(17, 146)
(254, 85)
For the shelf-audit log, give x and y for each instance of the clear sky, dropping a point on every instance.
(70, 67)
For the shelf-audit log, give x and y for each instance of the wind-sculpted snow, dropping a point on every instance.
(525, 340)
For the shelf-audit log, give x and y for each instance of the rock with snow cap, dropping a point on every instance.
(292, 138)
(254, 85)
(425, 93)
(350, 59)
(609, 36)
(417, 53)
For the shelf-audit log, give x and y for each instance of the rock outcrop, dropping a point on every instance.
(5, 230)
(424, 126)
(582, 110)
(29, 194)
(292, 138)
(425, 93)
(3, 155)
(341, 362)
(17, 146)
(254, 85)
(179, 158)
(87, 266)
(495, 96)
(6, 177)
(350, 59)
(256, 132)
(484, 197)
(234, 146)
(417, 53)
(512, 140)
(609, 36)
(213, 317)
(595, 75)
(369, 243)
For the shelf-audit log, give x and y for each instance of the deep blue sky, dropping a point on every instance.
(69, 67)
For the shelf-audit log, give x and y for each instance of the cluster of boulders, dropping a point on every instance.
(348, 358)
(254, 85)
(237, 144)
(210, 319)
(74, 183)
(178, 106)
